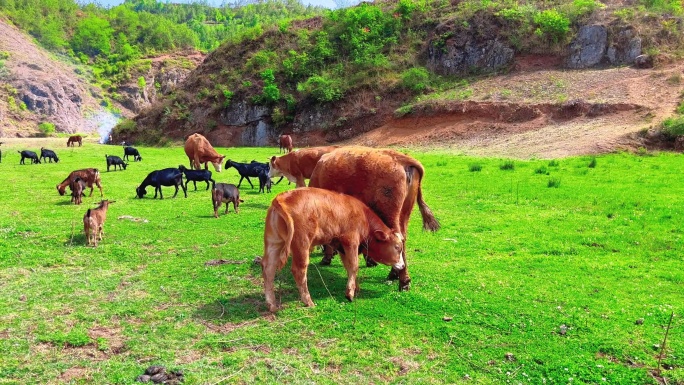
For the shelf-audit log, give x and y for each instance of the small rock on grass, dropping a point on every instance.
(509, 356)
(640, 321)
(447, 319)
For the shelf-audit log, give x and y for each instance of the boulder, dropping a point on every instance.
(588, 48)
(461, 56)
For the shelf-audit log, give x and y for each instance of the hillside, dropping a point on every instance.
(412, 73)
(36, 88)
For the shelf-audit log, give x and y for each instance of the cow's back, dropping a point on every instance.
(372, 176)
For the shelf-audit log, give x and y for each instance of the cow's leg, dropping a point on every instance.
(300, 181)
(270, 263)
(350, 260)
(98, 186)
(328, 254)
(300, 263)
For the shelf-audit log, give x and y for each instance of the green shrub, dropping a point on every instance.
(666, 6)
(554, 183)
(125, 125)
(270, 94)
(406, 8)
(47, 128)
(579, 8)
(554, 163)
(261, 60)
(552, 24)
(673, 127)
(141, 83)
(4, 55)
(415, 79)
(22, 106)
(592, 163)
(403, 110)
(227, 97)
(12, 103)
(475, 167)
(321, 88)
(507, 165)
(541, 170)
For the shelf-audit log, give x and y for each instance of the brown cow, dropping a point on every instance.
(305, 217)
(199, 150)
(89, 176)
(71, 142)
(285, 143)
(386, 180)
(298, 165)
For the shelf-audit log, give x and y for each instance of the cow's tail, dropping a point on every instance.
(88, 214)
(430, 223)
(278, 215)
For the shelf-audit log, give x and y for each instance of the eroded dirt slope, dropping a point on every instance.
(542, 111)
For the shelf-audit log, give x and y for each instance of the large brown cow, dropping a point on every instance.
(305, 217)
(388, 181)
(71, 142)
(285, 143)
(199, 150)
(298, 165)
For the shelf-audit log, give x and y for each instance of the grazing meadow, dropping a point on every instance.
(562, 271)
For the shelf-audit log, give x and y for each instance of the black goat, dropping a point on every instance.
(113, 160)
(195, 176)
(158, 178)
(264, 181)
(30, 155)
(48, 154)
(247, 170)
(132, 151)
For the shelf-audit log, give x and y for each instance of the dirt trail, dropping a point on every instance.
(541, 113)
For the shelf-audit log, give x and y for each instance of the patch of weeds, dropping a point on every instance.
(642, 151)
(102, 344)
(475, 167)
(75, 337)
(554, 163)
(592, 163)
(507, 165)
(403, 110)
(541, 170)
(675, 79)
(553, 183)
(441, 163)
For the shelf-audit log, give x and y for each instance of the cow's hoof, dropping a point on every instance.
(405, 286)
(326, 261)
(393, 275)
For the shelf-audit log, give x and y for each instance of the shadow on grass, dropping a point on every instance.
(324, 282)
(78, 239)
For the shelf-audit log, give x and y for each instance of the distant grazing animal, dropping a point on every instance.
(158, 178)
(199, 150)
(386, 180)
(225, 193)
(264, 181)
(28, 155)
(285, 142)
(93, 222)
(77, 186)
(301, 218)
(298, 165)
(89, 175)
(113, 160)
(195, 176)
(73, 140)
(1, 152)
(246, 170)
(48, 154)
(132, 151)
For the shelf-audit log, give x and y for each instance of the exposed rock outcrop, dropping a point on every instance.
(597, 44)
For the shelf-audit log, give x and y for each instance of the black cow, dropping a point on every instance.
(132, 151)
(113, 160)
(158, 178)
(195, 176)
(30, 155)
(48, 154)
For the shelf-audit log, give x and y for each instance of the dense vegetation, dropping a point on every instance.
(381, 48)
(555, 272)
(113, 40)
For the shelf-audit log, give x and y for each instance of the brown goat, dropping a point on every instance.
(73, 139)
(93, 221)
(77, 187)
(89, 175)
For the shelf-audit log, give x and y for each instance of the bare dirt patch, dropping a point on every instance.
(115, 341)
(74, 373)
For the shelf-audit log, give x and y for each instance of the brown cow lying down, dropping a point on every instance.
(298, 165)
(89, 175)
(305, 217)
(199, 150)
(386, 180)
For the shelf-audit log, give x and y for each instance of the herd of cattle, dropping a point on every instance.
(358, 201)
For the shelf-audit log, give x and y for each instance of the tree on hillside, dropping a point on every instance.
(92, 36)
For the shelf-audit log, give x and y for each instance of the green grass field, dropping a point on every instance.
(541, 274)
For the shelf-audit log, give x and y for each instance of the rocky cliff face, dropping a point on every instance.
(38, 88)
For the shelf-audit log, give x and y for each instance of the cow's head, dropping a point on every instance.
(140, 192)
(273, 170)
(61, 189)
(217, 163)
(386, 247)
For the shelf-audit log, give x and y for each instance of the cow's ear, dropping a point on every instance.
(380, 235)
(273, 158)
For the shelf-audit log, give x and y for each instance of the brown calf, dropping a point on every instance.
(93, 221)
(285, 142)
(298, 165)
(77, 187)
(71, 142)
(89, 175)
(305, 217)
(386, 180)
